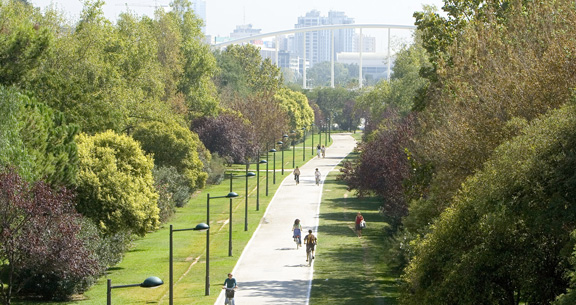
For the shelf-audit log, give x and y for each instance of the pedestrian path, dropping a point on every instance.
(270, 269)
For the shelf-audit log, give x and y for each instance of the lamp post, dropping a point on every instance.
(329, 128)
(267, 156)
(248, 174)
(280, 143)
(230, 220)
(304, 144)
(273, 165)
(207, 283)
(312, 131)
(258, 182)
(284, 137)
(320, 133)
(199, 227)
(293, 149)
(150, 282)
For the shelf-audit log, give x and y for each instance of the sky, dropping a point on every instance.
(268, 15)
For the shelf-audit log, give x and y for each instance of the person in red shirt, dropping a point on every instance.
(359, 224)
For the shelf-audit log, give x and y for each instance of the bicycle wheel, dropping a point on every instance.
(309, 257)
(297, 242)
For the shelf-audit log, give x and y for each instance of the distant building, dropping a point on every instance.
(374, 65)
(199, 7)
(316, 45)
(368, 43)
(244, 30)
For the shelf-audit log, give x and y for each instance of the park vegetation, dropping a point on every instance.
(107, 128)
(471, 149)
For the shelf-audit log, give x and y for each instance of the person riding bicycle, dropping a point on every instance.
(297, 231)
(310, 240)
(317, 175)
(230, 285)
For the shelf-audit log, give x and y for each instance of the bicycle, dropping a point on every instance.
(309, 255)
(297, 241)
(229, 295)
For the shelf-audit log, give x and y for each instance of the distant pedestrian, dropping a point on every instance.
(319, 150)
(323, 149)
(297, 175)
(317, 175)
(359, 224)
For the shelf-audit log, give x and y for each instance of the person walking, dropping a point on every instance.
(323, 149)
(319, 150)
(317, 175)
(297, 175)
(230, 285)
(310, 240)
(297, 231)
(359, 224)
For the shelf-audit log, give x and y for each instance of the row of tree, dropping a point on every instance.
(472, 148)
(106, 128)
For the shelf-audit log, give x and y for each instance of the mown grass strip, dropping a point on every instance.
(351, 270)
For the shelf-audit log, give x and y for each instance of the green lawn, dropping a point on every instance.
(348, 269)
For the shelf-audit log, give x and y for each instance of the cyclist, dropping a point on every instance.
(317, 175)
(297, 232)
(297, 175)
(230, 286)
(310, 240)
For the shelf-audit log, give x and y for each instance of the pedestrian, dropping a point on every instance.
(317, 175)
(359, 224)
(297, 175)
(319, 150)
(230, 285)
(323, 149)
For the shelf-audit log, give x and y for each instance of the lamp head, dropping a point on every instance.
(232, 195)
(152, 281)
(263, 161)
(279, 142)
(201, 227)
(273, 150)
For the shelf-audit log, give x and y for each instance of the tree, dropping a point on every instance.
(23, 41)
(36, 139)
(295, 105)
(40, 248)
(173, 146)
(115, 184)
(228, 135)
(504, 238)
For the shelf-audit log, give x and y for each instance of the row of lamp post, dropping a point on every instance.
(154, 281)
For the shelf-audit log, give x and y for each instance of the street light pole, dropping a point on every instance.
(312, 130)
(284, 137)
(282, 150)
(207, 283)
(258, 182)
(303, 143)
(150, 282)
(199, 227)
(273, 151)
(267, 156)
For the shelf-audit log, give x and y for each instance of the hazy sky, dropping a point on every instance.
(268, 15)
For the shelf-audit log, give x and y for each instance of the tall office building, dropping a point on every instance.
(199, 7)
(317, 44)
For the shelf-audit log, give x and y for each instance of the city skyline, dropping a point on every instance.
(224, 15)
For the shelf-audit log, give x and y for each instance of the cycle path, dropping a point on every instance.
(270, 270)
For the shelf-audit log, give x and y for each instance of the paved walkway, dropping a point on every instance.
(270, 269)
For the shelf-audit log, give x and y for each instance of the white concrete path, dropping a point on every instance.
(270, 269)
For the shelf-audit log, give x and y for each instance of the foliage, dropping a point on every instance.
(23, 41)
(115, 184)
(504, 240)
(244, 73)
(383, 165)
(345, 75)
(174, 146)
(228, 135)
(172, 190)
(40, 249)
(506, 67)
(295, 105)
(331, 102)
(36, 139)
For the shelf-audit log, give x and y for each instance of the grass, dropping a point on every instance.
(149, 256)
(348, 269)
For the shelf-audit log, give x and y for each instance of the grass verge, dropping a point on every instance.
(348, 269)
